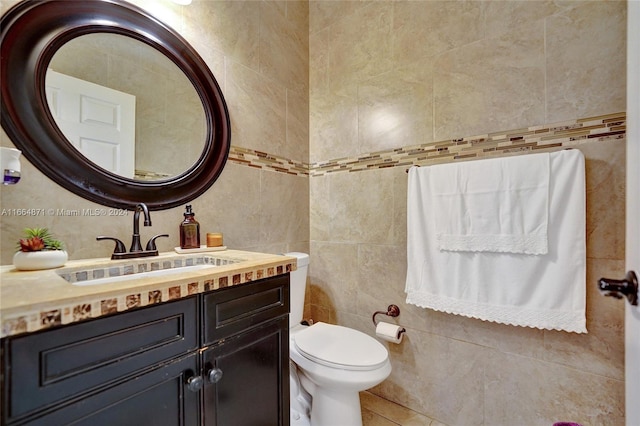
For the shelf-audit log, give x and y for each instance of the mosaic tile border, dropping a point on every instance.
(264, 161)
(52, 316)
(548, 136)
(552, 136)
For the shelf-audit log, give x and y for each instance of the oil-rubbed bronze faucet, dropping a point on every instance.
(135, 241)
(136, 248)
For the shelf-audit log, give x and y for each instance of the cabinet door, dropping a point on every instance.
(253, 389)
(232, 310)
(45, 370)
(159, 397)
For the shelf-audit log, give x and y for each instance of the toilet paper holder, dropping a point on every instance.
(392, 311)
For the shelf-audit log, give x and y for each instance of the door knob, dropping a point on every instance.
(627, 287)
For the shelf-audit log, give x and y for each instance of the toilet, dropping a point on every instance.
(329, 364)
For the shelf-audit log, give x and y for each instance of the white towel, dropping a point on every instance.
(498, 204)
(546, 291)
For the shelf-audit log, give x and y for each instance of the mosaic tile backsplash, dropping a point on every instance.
(564, 134)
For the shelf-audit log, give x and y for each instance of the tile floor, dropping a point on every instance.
(378, 411)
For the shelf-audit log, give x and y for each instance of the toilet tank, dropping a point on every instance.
(297, 287)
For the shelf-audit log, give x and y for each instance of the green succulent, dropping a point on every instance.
(37, 239)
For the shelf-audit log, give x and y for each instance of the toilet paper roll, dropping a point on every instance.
(389, 332)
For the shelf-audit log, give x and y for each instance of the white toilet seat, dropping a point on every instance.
(340, 347)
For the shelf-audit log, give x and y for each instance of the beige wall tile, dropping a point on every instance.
(586, 57)
(320, 209)
(297, 12)
(324, 14)
(361, 207)
(233, 206)
(333, 127)
(224, 19)
(360, 46)
(284, 50)
(250, 94)
(320, 312)
(400, 206)
(297, 147)
(319, 62)
(436, 376)
(381, 273)
(511, 16)
(333, 275)
(424, 29)
(605, 175)
(495, 83)
(532, 392)
(395, 108)
(284, 208)
(600, 351)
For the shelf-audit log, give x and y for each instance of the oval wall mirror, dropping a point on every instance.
(51, 48)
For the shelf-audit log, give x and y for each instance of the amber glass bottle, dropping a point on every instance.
(189, 231)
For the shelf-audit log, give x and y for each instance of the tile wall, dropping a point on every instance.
(389, 77)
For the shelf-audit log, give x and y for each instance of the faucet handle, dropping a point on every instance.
(120, 248)
(151, 245)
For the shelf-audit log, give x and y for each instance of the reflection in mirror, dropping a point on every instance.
(126, 106)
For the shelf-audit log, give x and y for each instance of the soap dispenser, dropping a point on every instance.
(189, 230)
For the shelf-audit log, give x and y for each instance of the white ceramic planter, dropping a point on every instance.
(35, 260)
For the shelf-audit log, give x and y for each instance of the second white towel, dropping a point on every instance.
(496, 205)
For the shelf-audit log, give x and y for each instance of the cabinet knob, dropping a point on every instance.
(214, 375)
(194, 383)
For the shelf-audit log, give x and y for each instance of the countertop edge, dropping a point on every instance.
(24, 309)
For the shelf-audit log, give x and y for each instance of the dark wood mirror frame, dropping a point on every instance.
(31, 33)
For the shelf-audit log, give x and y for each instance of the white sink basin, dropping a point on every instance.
(127, 270)
(140, 275)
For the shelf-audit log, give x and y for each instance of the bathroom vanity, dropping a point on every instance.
(218, 356)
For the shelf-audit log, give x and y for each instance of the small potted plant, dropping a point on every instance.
(39, 250)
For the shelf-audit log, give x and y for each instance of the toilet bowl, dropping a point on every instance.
(331, 364)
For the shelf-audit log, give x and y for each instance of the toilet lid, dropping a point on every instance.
(340, 347)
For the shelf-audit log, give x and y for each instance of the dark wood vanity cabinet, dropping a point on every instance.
(218, 358)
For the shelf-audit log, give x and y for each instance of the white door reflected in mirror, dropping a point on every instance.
(98, 121)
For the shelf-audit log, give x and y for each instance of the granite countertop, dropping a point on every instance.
(36, 300)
